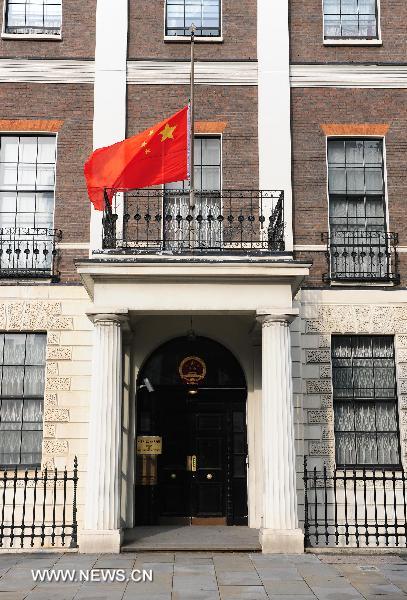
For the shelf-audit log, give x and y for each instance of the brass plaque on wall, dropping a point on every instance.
(149, 444)
(146, 469)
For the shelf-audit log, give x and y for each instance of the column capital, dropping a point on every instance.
(119, 317)
(268, 316)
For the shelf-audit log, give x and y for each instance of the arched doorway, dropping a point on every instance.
(191, 401)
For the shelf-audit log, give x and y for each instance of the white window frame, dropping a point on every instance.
(29, 36)
(353, 41)
(198, 39)
(386, 196)
(36, 134)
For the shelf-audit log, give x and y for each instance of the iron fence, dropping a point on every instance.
(355, 507)
(227, 221)
(29, 252)
(362, 256)
(38, 507)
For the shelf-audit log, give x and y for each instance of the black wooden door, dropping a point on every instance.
(209, 480)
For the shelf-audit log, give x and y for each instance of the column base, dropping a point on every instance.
(282, 541)
(99, 541)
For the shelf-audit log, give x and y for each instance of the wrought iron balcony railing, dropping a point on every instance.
(218, 222)
(362, 256)
(29, 253)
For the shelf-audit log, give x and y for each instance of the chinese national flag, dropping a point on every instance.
(158, 155)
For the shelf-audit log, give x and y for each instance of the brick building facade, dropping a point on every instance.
(112, 321)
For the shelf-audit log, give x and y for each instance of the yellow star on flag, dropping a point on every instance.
(147, 151)
(143, 144)
(167, 132)
(151, 132)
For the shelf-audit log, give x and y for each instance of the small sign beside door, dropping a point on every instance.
(149, 444)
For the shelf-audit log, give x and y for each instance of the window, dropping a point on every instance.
(204, 14)
(33, 17)
(365, 401)
(208, 178)
(357, 209)
(27, 181)
(21, 397)
(350, 19)
(207, 161)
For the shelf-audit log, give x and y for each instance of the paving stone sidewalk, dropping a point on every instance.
(211, 576)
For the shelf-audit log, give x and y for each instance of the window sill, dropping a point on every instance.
(43, 37)
(351, 42)
(197, 39)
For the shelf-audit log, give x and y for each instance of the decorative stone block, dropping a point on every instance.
(318, 356)
(324, 341)
(314, 326)
(402, 356)
(58, 415)
(320, 416)
(326, 401)
(401, 341)
(48, 463)
(55, 447)
(59, 353)
(53, 338)
(325, 372)
(403, 386)
(61, 323)
(50, 400)
(318, 386)
(402, 370)
(383, 319)
(328, 433)
(31, 315)
(52, 369)
(403, 402)
(58, 383)
(321, 448)
(403, 417)
(49, 430)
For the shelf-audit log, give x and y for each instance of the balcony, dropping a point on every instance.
(362, 256)
(237, 222)
(29, 253)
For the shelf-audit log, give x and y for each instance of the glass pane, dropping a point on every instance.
(10, 447)
(12, 383)
(26, 175)
(8, 175)
(345, 448)
(366, 448)
(337, 180)
(9, 149)
(46, 150)
(14, 348)
(210, 178)
(211, 152)
(34, 381)
(349, 7)
(388, 449)
(31, 447)
(332, 7)
(365, 417)
(386, 416)
(28, 150)
(344, 417)
(32, 413)
(16, 15)
(11, 411)
(8, 202)
(355, 153)
(36, 346)
(336, 152)
(26, 202)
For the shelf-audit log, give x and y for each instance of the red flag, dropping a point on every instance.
(158, 155)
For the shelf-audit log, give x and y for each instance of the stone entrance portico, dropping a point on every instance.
(251, 298)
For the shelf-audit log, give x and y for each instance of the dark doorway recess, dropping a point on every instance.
(195, 401)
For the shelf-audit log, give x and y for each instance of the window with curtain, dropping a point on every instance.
(21, 398)
(27, 183)
(34, 17)
(208, 176)
(357, 208)
(365, 401)
(350, 19)
(204, 14)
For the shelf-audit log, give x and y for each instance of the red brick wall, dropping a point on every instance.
(78, 35)
(307, 35)
(146, 33)
(73, 104)
(235, 105)
(311, 108)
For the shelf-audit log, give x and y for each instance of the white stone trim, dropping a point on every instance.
(110, 88)
(349, 76)
(207, 73)
(274, 104)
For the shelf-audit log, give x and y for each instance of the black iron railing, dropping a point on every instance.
(355, 507)
(228, 221)
(39, 508)
(362, 256)
(29, 252)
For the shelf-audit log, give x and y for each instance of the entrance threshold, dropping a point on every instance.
(187, 538)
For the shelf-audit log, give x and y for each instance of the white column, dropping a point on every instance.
(279, 532)
(102, 531)
(273, 53)
(110, 89)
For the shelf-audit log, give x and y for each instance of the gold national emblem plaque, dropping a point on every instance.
(192, 370)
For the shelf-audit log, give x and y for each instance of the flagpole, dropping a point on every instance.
(192, 123)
